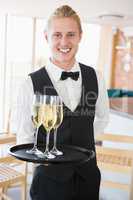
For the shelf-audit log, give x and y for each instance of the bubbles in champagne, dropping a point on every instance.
(49, 116)
(35, 115)
(59, 116)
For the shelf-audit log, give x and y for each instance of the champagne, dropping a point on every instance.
(49, 116)
(59, 115)
(36, 115)
(59, 119)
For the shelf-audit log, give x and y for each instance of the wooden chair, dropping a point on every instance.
(9, 175)
(6, 138)
(116, 160)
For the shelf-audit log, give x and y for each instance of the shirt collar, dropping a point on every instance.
(55, 72)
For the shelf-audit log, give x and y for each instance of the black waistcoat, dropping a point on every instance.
(77, 126)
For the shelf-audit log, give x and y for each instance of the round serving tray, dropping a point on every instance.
(71, 155)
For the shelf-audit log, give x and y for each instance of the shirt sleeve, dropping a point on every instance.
(22, 116)
(102, 107)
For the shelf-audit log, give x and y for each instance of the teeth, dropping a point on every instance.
(64, 50)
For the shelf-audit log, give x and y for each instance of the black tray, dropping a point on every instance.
(71, 155)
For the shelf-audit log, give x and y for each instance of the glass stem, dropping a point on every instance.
(35, 138)
(55, 138)
(47, 141)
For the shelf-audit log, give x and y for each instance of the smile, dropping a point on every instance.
(66, 50)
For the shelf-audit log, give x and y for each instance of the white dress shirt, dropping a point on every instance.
(69, 90)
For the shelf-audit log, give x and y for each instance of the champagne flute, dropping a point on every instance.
(36, 119)
(48, 120)
(59, 119)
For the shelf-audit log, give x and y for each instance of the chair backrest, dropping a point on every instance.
(6, 138)
(116, 160)
(12, 171)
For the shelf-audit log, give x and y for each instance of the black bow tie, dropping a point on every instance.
(72, 75)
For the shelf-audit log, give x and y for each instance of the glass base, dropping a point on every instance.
(34, 151)
(56, 152)
(47, 155)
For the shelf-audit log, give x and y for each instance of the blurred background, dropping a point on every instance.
(107, 45)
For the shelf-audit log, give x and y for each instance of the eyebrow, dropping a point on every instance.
(61, 32)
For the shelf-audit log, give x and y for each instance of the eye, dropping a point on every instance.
(71, 34)
(57, 35)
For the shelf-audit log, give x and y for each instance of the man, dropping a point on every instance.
(85, 104)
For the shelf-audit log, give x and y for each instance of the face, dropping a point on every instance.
(63, 36)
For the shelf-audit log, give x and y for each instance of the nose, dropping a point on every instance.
(64, 40)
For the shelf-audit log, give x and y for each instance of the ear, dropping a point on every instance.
(80, 36)
(46, 35)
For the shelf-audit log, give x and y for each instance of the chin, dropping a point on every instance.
(63, 58)
(65, 61)
(66, 58)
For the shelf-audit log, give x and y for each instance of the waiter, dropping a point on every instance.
(85, 111)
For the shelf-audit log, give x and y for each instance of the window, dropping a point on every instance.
(2, 70)
(17, 59)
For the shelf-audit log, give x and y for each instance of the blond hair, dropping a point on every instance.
(65, 11)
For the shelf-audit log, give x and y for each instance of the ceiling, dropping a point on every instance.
(118, 13)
